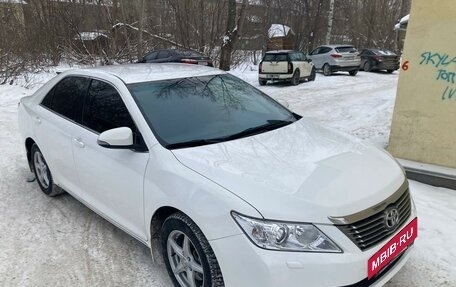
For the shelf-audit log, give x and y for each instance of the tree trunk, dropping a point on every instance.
(316, 24)
(330, 22)
(232, 33)
(140, 48)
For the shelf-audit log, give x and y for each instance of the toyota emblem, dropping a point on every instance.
(391, 217)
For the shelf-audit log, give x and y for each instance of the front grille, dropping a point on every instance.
(370, 231)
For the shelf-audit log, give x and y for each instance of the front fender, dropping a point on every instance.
(169, 183)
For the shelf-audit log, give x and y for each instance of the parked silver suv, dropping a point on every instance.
(333, 58)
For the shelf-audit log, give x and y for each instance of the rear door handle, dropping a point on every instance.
(78, 142)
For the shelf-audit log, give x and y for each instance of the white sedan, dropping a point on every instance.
(224, 184)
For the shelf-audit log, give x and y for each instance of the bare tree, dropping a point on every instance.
(330, 22)
(233, 30)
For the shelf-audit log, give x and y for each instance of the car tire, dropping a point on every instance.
(296, 78)
(353, 72)
(367, 67)
(327, 70)
(313, 74)
(43, 174)
(262, 82)
(389, 71)
(186, 251)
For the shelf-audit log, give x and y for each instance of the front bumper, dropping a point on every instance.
(244, 264)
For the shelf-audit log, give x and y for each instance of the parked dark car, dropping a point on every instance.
(378, 59)
(177, 56)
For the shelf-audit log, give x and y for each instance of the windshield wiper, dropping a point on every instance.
(193, 143)
(270, 125)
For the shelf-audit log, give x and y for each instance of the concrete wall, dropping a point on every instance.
(424, 120)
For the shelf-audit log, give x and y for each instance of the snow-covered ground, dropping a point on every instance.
(59, 242)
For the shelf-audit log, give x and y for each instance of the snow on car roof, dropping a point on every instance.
(137, 73)
(278, 51)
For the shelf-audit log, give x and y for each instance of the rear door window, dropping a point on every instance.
(104, 109)
(66, 97)
(315, 52)
(324, 50)
(163, 55)
(151, 56)
(296, 57)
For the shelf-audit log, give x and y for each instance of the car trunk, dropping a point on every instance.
(347, 56)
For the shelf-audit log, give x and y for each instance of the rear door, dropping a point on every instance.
(55, 123)
(268, 63)
(305, 66)
(317, 56)
(281, 63)
(112, 179)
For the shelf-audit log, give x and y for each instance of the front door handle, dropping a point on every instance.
(78, 142)
(37, 120)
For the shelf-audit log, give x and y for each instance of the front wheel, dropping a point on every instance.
(296, 78)
(189, 258)
(353, 73)
(262, 82)
(389, 71)
(327, 70)
(367, 67)
(313, 74)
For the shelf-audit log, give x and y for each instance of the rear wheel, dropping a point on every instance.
(327, 70)
(353, 72)
(296, 78)
(43, 173)
(313, 74)
(367, 67)
(262, 82)
(389, 71)
(189, 258)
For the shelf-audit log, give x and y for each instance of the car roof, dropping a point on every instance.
(280, 51)
(336, 46)
(147, 72)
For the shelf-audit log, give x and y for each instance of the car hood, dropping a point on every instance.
(302, 172)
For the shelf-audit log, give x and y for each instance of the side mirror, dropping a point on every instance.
(118, 138)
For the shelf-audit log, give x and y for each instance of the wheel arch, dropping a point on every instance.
(28, 147)
(156, 223)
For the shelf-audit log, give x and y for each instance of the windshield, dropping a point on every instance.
(203, 110)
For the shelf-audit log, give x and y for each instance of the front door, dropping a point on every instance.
(112, 179)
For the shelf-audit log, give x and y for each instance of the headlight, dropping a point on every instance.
(276, 235)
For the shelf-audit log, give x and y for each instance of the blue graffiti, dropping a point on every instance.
(446, 76)
(437, 60)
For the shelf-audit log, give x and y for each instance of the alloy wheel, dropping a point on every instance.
(42, 171)
(184, 260)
